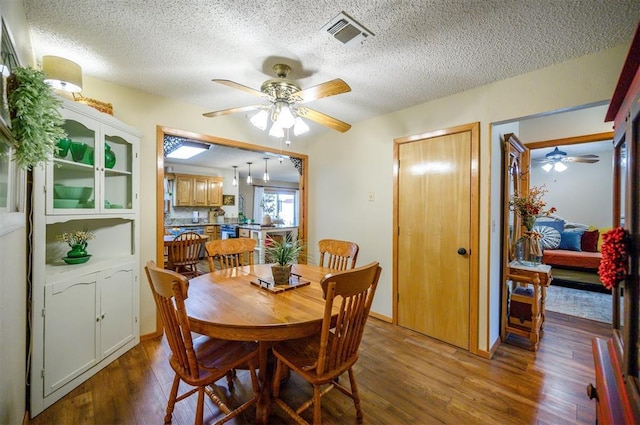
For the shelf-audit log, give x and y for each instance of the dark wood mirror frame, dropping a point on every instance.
(514, 155)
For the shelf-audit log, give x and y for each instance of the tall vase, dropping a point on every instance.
(528, 250)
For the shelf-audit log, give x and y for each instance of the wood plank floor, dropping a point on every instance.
(403, 377)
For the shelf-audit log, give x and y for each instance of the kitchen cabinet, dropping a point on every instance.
(198, 191)
(84, 316)
(213, 232)
(214, 191)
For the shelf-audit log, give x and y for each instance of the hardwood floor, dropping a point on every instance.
(403, 378)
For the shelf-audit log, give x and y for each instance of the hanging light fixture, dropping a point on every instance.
(556, 166)
(235, 178)
(266, 173)
(249, 179)
(283, 118)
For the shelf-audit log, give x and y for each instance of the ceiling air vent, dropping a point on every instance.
(347, 30)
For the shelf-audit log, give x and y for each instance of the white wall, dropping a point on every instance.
(582, 193)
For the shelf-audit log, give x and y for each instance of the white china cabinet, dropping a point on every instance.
(84, 315)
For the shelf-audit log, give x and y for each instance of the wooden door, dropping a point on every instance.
(434, 240)
(214, 191)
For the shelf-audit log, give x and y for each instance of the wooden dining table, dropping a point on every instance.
(225, 304)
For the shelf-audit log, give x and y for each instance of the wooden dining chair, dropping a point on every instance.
(322, 358)
(201, 361)
(184, 254)
(233, 252)
(340, 255)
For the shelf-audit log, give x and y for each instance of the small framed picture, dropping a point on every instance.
(228, 199)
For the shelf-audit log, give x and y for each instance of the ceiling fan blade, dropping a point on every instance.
(324, 119)
(581, 159)
(585, 156)
(232, 111)
(330, 88)
(242, 87)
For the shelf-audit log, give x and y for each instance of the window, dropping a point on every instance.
(279, 203)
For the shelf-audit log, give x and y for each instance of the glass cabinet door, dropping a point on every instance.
(72, 175)
(117, 164)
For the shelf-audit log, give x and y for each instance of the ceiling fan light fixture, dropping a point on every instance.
(300, 127)
(276, 130)
(260, 120)
(547, 167)
(559, 167)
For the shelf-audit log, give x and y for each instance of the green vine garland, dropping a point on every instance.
(35, 117)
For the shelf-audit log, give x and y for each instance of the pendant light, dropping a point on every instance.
(249, 179)
(266, 173)
(235, 178)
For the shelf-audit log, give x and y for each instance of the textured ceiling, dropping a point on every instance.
(422, 50)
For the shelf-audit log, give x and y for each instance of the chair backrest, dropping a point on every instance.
(341, 255)
(233, 252)
(184, 250)
(353, 290)
(169, 292)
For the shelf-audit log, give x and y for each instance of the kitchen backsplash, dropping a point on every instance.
(185, 215)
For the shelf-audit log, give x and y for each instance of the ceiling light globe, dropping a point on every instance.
(300, 127)
(285, 117)
(260, 120)
(559, 167)
(547, 167)
(276, 130)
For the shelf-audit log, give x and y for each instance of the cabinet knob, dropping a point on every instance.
(592, 392)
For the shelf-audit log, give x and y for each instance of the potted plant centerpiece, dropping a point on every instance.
(78, 241)
(283, 252)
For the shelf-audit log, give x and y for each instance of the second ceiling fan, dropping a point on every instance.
(286, 99)
(556, 158)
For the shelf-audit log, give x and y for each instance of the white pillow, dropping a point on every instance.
(549, 237)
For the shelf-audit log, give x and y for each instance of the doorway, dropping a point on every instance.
(436, 214)
(300, 159)
(577, 291)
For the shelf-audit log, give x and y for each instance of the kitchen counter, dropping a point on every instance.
(260, 233)
(191, 224)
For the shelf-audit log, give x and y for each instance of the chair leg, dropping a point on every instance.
(230, 375)
(317, 405)
(200, 407)
(172, 399)
(355, 395)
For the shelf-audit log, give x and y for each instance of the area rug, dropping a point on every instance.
(589, 305)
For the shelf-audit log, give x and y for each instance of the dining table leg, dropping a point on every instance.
(263, 407)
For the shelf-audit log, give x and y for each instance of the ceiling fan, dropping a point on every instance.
(556, 157)
(286, 99)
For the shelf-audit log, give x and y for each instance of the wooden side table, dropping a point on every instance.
(523, 301)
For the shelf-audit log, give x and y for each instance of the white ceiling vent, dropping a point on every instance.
(347, 30)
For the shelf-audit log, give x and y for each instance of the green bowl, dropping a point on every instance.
(78, 193)
(65, 203)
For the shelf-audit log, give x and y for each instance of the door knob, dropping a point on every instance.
(462, 251)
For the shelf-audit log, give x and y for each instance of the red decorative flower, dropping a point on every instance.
(614, 264)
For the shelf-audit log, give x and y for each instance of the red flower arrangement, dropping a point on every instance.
(614, 263)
